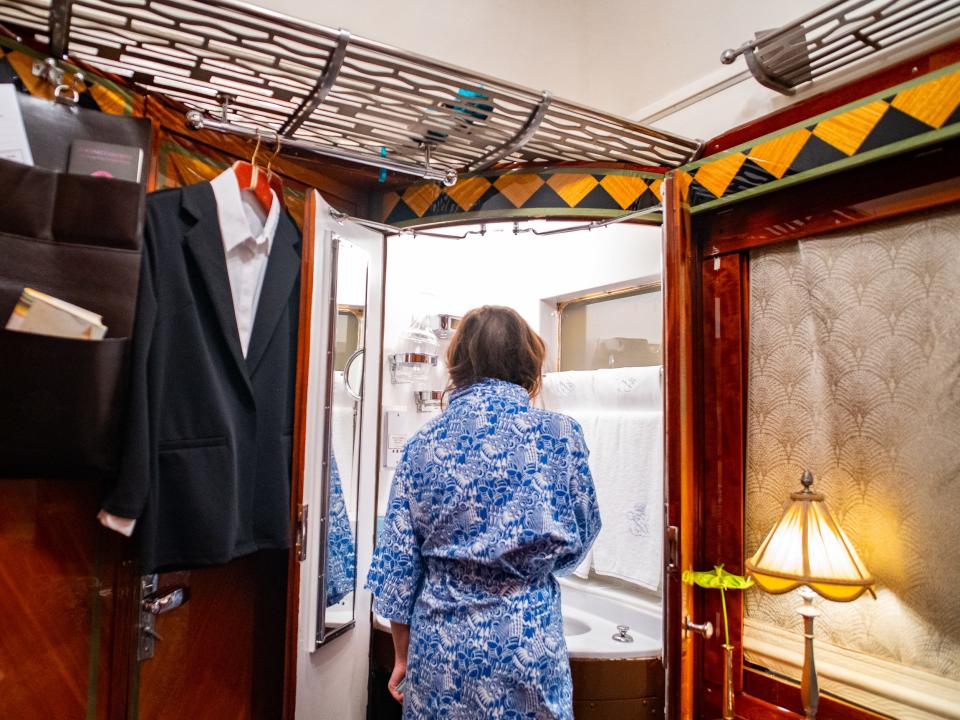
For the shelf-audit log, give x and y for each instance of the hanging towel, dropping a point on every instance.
(630, 389)
(626, 459)
(567, 392)
(621, 416)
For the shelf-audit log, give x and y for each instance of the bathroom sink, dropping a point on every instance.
(574, 626)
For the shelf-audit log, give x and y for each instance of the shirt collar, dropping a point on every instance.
(234, 227)
(492, 388)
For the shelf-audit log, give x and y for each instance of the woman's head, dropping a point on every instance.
(495, 342)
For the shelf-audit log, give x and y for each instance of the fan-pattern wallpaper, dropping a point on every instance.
(855, 374)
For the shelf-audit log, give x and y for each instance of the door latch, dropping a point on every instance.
(152, 605)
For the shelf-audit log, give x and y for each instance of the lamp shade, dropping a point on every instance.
(807, 547)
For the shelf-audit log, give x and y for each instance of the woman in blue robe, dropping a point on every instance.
(490, 502)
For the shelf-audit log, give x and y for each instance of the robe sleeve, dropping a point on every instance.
(397, 569)
(584, 510)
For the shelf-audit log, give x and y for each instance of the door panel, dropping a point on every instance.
(221, 652)
(57, 601)
(724, 331)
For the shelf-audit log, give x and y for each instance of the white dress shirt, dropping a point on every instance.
(247, 238)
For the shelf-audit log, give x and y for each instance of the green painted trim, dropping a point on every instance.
(580, 170)
(893, 90)
(917, 141)
(525, 214)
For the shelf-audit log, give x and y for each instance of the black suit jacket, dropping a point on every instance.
(207, 452)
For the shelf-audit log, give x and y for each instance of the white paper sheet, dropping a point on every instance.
(13, 136)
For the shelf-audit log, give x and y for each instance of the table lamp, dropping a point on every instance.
(807, 549)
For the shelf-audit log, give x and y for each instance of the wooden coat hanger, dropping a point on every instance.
(251, 177)
(276, 182)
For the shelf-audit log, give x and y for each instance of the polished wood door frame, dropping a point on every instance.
(307, 255)
(715, 303)
(680, 350)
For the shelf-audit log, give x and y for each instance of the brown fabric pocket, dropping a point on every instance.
(60, 404)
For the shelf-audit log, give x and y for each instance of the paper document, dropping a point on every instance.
(13, 135)
(42, 314)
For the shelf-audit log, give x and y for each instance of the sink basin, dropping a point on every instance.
(574, 626)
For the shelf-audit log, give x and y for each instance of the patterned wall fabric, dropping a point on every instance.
(854, 366)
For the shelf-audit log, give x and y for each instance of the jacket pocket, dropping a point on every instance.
(198, 504)
(198, 442)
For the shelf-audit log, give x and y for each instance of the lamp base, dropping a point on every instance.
(809, 690)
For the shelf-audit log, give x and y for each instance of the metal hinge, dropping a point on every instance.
(673, 548)
(303, 514)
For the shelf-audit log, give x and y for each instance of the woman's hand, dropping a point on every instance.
(398, 675)
(401, 644)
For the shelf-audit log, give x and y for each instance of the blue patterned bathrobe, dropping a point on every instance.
(341, 550)
(490, 501)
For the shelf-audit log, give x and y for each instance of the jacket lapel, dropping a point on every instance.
(205, 242)
(283, 269)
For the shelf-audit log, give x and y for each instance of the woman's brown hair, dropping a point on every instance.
(495, 342)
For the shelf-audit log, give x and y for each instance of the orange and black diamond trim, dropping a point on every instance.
(916, 113)
(580, 191)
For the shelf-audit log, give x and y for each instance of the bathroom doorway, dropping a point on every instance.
(595, 298)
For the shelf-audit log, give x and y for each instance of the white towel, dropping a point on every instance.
(631, 389)
(626, 459)
(569, 391)
(621, 416)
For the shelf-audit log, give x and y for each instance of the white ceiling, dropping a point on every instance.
(616, 55)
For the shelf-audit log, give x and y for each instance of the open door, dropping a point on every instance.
(680, 413)
(334, 475)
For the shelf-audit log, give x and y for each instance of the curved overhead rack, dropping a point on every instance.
(838, 34)
(238, 67)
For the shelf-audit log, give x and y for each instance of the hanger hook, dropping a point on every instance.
(273, 157)
(256, 149)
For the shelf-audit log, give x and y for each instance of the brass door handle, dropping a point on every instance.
(704, 629)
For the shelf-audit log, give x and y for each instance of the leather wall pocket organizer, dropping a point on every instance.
(78, 239)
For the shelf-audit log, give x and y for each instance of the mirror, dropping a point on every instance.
(342, 423)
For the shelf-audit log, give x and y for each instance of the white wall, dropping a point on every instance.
(725, 97)
(431, 275)
(616, 55)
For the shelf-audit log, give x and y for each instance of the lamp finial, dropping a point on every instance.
(807, 481)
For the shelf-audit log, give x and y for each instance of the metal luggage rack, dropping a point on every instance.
(838, 34)
(242, 69)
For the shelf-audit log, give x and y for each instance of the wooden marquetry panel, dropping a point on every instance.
(222, 651)
(56, 601)
(724, 331)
